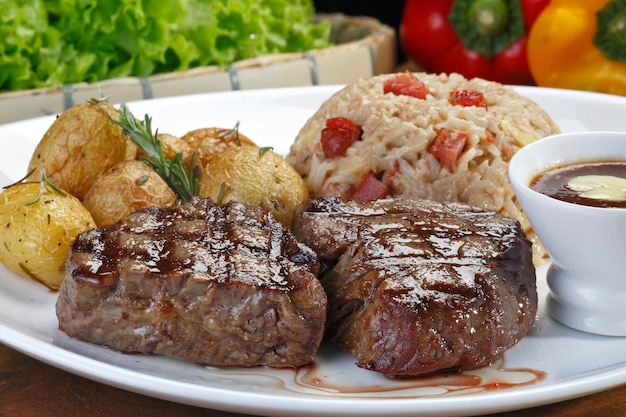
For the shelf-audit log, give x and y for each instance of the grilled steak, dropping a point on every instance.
(222, 285)
(416, 287)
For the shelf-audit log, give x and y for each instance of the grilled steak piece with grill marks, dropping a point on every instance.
(222, 285)
(416, 287)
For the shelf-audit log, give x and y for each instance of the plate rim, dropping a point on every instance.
(482, 403)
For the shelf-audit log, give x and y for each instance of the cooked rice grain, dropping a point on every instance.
(396, 133)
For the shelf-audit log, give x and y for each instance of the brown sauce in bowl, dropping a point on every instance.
(596, 184)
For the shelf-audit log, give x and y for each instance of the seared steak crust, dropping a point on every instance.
(222, 285)
(416, 287)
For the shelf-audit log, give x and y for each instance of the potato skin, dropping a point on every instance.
(39, 236)
(81, 144)
(125, 188)
(211, 141)
(250, 176)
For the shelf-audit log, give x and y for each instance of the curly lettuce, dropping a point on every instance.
(54, 42)
(26, 39)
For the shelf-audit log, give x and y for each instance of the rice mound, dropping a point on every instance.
(398, 129)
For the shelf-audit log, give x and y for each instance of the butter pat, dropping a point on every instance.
(600, 187)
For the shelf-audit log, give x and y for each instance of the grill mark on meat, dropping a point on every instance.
(416, 287)
(222, 285)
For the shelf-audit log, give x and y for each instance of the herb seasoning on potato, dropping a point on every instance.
(39, 223)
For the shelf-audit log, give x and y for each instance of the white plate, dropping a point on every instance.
(550, 364)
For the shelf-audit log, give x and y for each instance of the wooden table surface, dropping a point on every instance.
(29, 387)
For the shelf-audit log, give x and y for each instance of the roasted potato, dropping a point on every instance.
(128, 186)
(212, 141)
(36, 237)
(253, 175)
(81, 144)
(171, 146)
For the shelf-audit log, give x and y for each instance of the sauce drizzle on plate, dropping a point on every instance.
(486, 379)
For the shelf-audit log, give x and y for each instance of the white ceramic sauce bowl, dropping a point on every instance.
(587, 245)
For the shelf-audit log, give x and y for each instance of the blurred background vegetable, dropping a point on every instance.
(476, 38)
(53, 42)
(580, 44)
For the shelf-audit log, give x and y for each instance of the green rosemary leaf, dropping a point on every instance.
(235, 129)
(32, 276)
(220, 194)
(45, 185)
(51, 186)
(183, 180)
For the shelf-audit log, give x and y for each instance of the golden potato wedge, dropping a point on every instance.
(254, 175)
(81, 144)
(36, 238)
(211, 141)
(125, 188)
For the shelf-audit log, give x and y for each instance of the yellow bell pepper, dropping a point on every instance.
(581, 45)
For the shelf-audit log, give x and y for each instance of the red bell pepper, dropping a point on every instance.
(476, 38)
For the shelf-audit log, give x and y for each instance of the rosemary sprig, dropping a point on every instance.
(32, 276)
(220, 194)
(44, 185)
(183, 180)
(234, 130)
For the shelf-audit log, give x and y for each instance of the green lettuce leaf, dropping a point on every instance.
(54, 42)
(27, 39)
